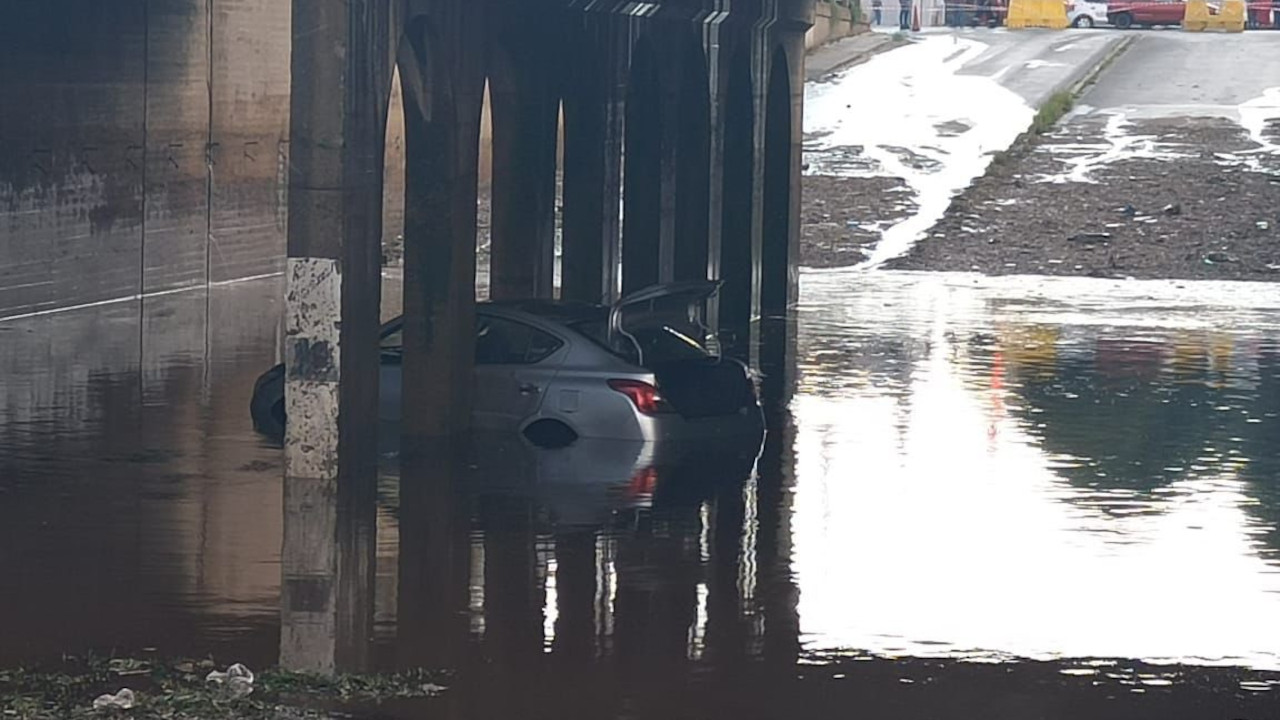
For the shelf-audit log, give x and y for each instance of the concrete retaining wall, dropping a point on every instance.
(145, 147)
(833, 22)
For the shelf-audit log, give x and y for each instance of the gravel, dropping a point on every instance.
(1171, 198)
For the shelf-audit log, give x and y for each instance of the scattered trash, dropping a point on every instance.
(1173, 209)
(1217, 257)
(123, 700)
(1090, 237)
(238, 679)
(1263, 225)
(1128, 209)
(126, 666)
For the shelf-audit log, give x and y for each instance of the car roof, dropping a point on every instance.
(555, 311)
(558, 311)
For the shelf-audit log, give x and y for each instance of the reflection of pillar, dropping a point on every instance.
(576, 595)
(726, 628)
(592, 164)
(342, 83)
(512, 605)
(441, 145)
(432, 624)
(525, 115)
(657, 592)
(779, 596)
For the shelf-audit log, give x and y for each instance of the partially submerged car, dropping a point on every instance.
(554, 371)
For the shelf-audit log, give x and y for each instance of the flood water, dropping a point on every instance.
(988, 497)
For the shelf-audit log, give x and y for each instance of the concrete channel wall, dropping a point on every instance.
(833, 21)
(144, 147)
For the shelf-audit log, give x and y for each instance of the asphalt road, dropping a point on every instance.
(1172, 73)
(1035, 64)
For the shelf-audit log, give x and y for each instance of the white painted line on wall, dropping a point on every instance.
(136, 297)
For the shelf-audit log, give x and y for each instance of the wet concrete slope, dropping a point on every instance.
(144, 147)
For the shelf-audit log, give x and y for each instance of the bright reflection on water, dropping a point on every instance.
(1040, 468)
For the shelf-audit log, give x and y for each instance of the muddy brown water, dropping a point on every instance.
(1002, 497)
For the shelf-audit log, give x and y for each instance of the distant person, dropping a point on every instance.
(877, 12)
(904, 15)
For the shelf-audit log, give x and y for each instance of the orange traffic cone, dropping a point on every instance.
(915, 17)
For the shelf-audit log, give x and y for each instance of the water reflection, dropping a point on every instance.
(965, 469)
(135, 510)
(1069, 475)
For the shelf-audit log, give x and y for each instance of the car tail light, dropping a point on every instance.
(644, 396)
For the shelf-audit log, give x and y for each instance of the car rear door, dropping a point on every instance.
(516, 363)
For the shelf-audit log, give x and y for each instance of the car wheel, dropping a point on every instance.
(1084, 21)
(1124, 21)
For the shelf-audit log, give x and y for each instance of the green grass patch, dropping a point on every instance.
(177, 690)
(1057, 106)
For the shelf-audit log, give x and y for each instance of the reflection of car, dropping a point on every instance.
(560, 371)
(593, 480)
(1084, 14)
(1147, 13)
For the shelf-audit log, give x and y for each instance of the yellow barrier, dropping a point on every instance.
(1019, 14)
(1196, 18)
(1230, 18)
(1050, 14)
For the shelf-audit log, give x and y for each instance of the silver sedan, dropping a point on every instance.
(556, 372)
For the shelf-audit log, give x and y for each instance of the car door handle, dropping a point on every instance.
(529, 389)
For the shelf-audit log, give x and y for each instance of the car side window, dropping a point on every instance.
(506, 342)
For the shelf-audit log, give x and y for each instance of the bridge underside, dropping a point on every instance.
(680, 160)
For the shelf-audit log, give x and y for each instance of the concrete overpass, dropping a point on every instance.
(158, 146)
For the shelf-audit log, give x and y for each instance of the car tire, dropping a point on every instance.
(1083, 22)
(1124, 21)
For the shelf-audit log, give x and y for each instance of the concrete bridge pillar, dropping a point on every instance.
(522, 65)
(593, 87)
(644, 163)
(443, 80)
(341, 89)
